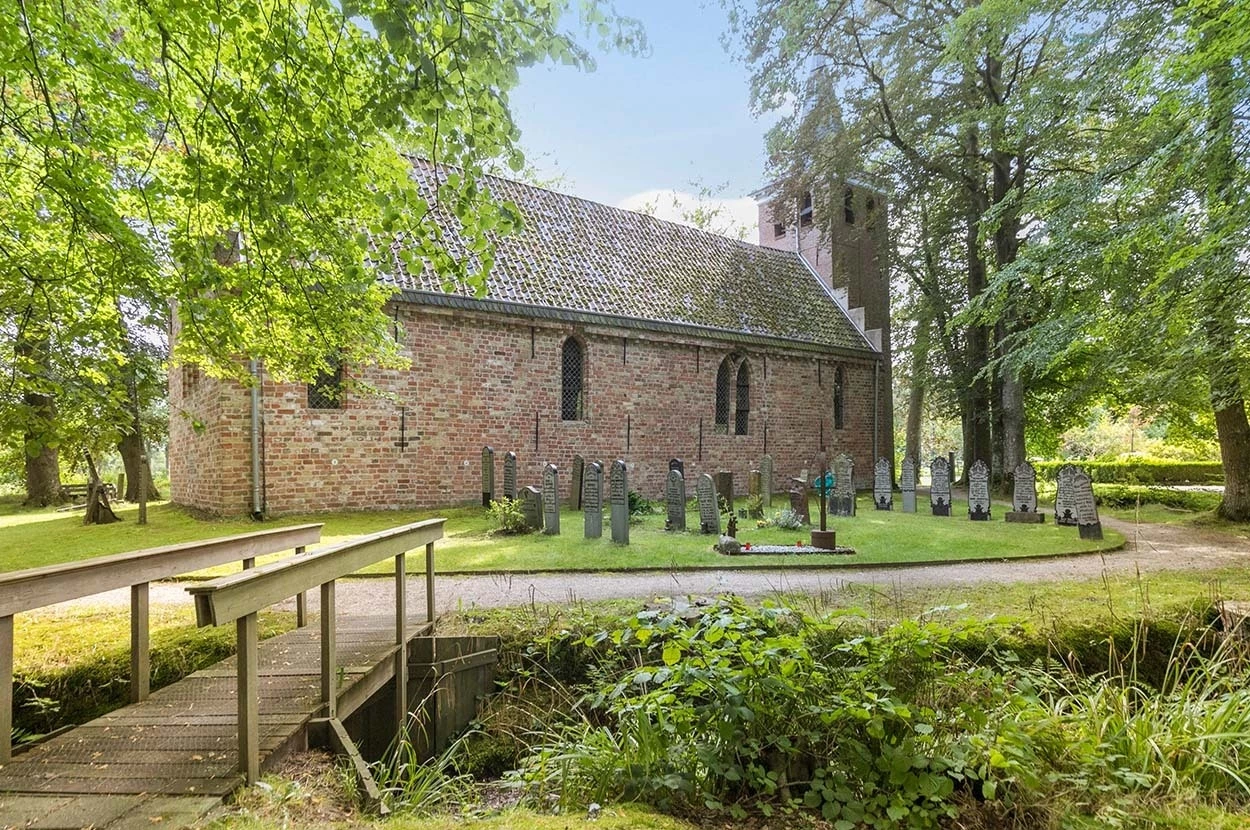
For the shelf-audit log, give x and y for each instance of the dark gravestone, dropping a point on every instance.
(532, 507)
(619, 498)
(551, 500)
(842, 502)
(724, 481)
(799, 503)
(1086, 508)
(509, 476)
(979, 492)
(766, 472)
(755, 481)
(883, 485)
(575, 488)
(675, 495)
(709, 512)
(1065, 505)
(488, 476)
(1024, 496)
(678, 465)
(907, 482)
(940, 487)
(592, 499)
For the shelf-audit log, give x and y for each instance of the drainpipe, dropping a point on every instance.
(876, 407)
(257, 505)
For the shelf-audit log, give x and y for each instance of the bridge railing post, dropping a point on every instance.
(429, 581)
(301, 600)
(401, 642)
(249, 698)
(140, 646)
(6, 689)
(329, 686)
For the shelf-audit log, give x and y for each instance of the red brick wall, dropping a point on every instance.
(473, 381)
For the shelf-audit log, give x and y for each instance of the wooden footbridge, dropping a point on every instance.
(174, 754)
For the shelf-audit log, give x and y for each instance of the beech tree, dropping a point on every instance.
(237, 162)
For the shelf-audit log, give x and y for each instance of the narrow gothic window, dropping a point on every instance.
(744, 400)
(723, 379)
(848, 206)
(805, 210)
(839, 399)
(326, 392)
(572, 399)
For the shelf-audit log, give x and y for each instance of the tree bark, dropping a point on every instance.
(130, 447)
(43, 466)
(977, 446)
(915, 395)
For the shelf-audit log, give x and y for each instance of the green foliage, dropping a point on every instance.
(787, 518)
(1122, 496)
(1141, 471)
(641, 506)
(508, 517)
(414, 786)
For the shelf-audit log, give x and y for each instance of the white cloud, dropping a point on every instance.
(735, 218)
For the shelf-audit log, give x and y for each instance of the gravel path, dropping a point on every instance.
(1150, 549)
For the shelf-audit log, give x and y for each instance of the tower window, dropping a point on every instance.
(572, 393)
(848, 206)
(805, 210)
(779, 230)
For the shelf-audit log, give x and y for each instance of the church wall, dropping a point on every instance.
(480, 379)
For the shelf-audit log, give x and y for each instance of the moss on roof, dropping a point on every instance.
(580, 255)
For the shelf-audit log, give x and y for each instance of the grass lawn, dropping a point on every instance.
(42, 538)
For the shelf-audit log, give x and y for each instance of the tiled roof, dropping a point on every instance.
(577, 255)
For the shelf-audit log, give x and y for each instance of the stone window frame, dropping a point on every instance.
(728, 394)
(580, 402)
(839, 398)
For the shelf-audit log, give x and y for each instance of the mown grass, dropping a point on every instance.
(880, 538)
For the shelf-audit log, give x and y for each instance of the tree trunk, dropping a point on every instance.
(1234, 433)
(131, 449)
(43, 476)
(977, 445)
(915, 395)
(43, 466)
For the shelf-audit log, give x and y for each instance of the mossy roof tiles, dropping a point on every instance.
(582, 256)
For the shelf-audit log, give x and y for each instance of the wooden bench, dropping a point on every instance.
(237, 598)
(39, 587)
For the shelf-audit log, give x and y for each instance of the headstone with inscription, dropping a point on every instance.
(799, 501)
(907, 482)
(883, 485)
(509, 475)
(675, 496)
(709, 512)
(842, 502)
(575, 488)
(619, 497)
(766, 472)
(756, 501)
(1065, 506)
(1024, 496)
(488, 475)
(1087, 522)
(532, 507)
(979, 492)
(551, 500)
(724, 481)
(592, 500)
(940, 487)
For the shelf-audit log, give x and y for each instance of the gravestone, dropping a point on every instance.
(883, 485)
(843, 497)
(940, 487)
(592, 500)
(799, 501)
(754, 485)
(619, 498)
(724, 481)
(1065, 507)
(907, 482)
(1024, 496)
(709, 512)
(1087, 522)
(551, 500)
(675, 494)
(575, 488)
(678, 465)
(979, 492)
(532, 507)
(488, 475)
(766, 472)
(509, 476)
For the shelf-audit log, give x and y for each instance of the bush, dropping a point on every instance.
(1141, 471)
(640, 506)
(1124, 496)
(787, 518)
(508, 517)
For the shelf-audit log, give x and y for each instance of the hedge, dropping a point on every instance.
(1141, 471)
(1119, 495)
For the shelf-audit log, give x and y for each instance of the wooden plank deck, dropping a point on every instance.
(170, 759)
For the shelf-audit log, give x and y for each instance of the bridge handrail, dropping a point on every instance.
(239, 597)
(33, 588)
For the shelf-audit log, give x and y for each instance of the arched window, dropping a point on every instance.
(743, 408)
(572, 375)
(839, 399)
(848, 206)
(723, 378)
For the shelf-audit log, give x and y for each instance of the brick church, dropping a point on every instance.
(604, 333)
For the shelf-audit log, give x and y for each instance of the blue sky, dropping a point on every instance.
(673, 120)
